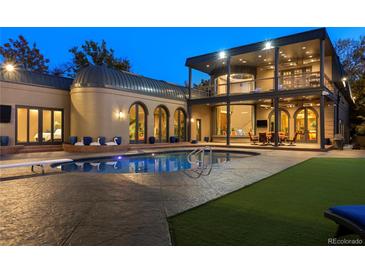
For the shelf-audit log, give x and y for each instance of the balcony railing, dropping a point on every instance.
(287, 82)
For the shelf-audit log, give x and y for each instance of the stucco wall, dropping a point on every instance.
(19, 94)
(95, 112)
(202, 112)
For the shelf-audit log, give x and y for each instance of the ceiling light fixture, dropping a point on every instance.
(222, 55)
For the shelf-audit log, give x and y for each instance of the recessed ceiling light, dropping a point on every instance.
(310, 56)
(222, 55)
(265, 60)
(269, 63)
(244, 61)
(260, 56)
(208, 66)
(280, 52)
(241, 59)
(289, 60)
(304, 47)
(307, 52)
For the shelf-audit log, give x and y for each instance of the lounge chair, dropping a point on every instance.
(113, 143)
(253, 138)
(99, 142)
(293, 141)
(350, 219)
(36, 163)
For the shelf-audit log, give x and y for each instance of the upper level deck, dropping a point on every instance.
(302, 61)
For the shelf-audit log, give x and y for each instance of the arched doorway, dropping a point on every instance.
(306, 121)
(161, 124)
(284, 125)
(137, 123)
(180, 124)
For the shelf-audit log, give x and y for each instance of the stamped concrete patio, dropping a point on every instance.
(119, 209)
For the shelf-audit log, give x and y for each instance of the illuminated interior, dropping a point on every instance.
(180, 124)
(137, 124)
(160, 124)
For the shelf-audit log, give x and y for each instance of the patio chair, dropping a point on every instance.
(253, 138)
(293, 141)
(263, 138)
(350, 219)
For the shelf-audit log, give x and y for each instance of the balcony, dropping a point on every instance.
(263, 85)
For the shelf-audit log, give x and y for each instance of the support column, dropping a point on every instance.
(228, 141)
(189, 104)
(276, 111)
(322, 96)
(276, 99)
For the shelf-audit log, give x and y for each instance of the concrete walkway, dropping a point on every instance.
(119, 209)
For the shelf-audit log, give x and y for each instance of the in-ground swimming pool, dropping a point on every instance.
(145, 163)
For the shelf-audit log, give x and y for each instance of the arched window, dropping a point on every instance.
(137, 123)
(161, 124)
(306, 121)
(284, 124)
(180, 124)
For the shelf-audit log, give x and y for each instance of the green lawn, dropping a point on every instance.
(284, 209)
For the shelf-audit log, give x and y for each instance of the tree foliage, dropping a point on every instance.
(23, 55)
(92, 52)
(352, 56)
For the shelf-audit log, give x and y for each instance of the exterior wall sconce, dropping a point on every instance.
(121, 115)
(9, 67)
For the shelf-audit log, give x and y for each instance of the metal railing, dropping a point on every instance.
(261, 85)
(201, 165)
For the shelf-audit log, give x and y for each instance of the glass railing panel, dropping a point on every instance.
(300, 81)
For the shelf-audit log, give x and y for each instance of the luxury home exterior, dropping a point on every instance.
(295, 82)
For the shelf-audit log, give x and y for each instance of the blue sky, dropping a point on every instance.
(156, 52)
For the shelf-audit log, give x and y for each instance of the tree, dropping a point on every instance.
(23, 55)
(93, 53)
(352, 56)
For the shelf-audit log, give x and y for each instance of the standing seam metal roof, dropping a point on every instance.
(37, 79)
(102, 76)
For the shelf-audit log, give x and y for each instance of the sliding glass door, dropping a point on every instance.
(36, 125)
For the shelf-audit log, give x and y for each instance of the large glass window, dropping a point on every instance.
(47, 126)
(283, 122)
(180, 124)
(36, 125)
(240, 83)
(241, 120)
(137, 124)
(22, 125)
(306, 124)
(160, 124)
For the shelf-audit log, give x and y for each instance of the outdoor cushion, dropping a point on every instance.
(87, 140)
(73, 140)
(4, 140)
(354, 213)
(102, 140)
(118, 140)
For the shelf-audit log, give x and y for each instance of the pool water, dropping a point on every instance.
(146, 163)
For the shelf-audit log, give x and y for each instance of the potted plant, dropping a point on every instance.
(360, 135)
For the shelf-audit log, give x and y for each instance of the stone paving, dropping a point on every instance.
(119, 209)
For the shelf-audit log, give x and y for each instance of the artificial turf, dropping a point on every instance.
(284, 209)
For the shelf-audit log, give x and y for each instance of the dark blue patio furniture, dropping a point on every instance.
(102, 140)
(151, 139)
(73, 140)
(206, 139)
(4, 140)
(172, 139)
(194, 141)
(118, 140)
(87, 140)
(350, 219)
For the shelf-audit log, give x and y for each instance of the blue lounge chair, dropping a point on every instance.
(350, 219)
